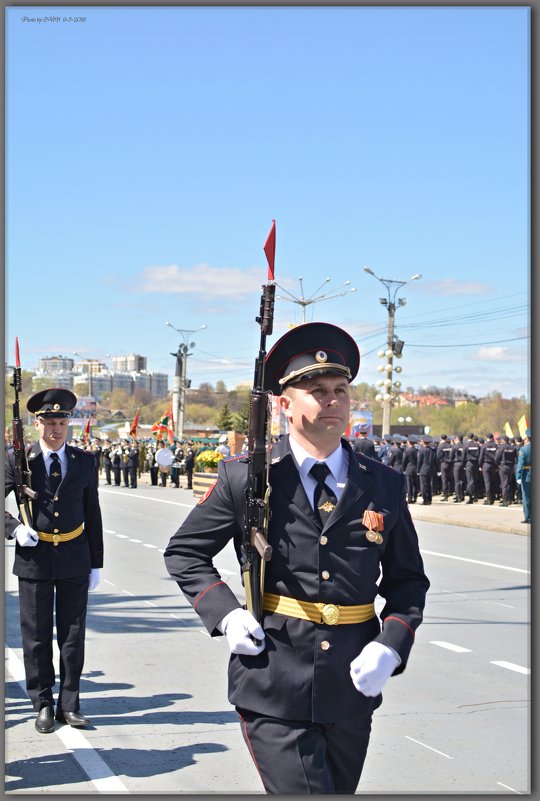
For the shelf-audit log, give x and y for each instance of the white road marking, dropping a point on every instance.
(150, 603)
(450, 647)
(451, 592)
(98, 772)
(132, 540)
(146, 498)
(512, 666)
(429, 747)
(109, 582)
(122, 536)
(109, 531)
(147, 545)
(498, 603)
(129, 593)
(476, 561)
(509, 788)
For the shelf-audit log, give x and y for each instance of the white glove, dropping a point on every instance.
(26, 536)
(94, 579)
(373, 667)
(518, 480)
(241, 628)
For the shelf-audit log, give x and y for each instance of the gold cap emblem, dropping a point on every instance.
(321, 356)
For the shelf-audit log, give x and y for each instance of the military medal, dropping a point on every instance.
(374, 522)
(327, 507)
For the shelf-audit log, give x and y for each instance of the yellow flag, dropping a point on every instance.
(523, 425)
(507, 430)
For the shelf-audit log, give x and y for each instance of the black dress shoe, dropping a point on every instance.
(45, 720)
(73, 718)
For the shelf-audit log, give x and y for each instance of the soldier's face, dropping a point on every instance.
(318, 408)
(52, 430)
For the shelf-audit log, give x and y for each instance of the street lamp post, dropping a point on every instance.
(392, 287)
(180, 384)
(313, 298)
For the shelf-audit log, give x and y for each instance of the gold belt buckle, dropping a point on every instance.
(330, 614)
(56, 538)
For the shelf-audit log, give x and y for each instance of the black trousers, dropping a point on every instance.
(446, 478)
(132, 475)
(107, 466)
(459, 475)
(426, 488)
(38, 600)
(301, 757)
(472, 475)
(411, 481)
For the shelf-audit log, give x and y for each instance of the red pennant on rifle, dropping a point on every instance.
(270, 250)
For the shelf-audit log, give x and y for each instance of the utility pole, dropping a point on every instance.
(180, 383)
(393, 345)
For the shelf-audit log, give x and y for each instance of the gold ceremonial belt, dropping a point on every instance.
(320, 612)
(56, 538)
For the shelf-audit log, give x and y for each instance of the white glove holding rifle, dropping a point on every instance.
(26, 536)
(241, 629)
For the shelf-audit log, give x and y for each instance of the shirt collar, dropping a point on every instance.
(46, 452)
(304, 460)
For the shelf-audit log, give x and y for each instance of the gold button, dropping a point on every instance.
(55, 531)
(325, 645)
(57, 514)
(324, 539)
(325, 574)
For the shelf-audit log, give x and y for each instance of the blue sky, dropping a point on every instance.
(148, 150)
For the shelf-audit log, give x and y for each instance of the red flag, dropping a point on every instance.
(270, 250)
(164, 425)
(86, 434)
(134, 426)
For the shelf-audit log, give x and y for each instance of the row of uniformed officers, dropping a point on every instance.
(472, 466)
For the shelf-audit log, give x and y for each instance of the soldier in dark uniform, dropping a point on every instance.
(116, 459)
(384, 450)
(487, 465)
(444, 463)
(395, 456)
(190, 465)
(58, 557)
(124, 459)
(471, 459)
(410, 469)
(505, 461)
(107, 464)
(363, 444)
(133, 463)
(427, 459)
(306, 689)
(457, 468)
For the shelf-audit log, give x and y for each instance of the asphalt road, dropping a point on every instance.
(456, 721)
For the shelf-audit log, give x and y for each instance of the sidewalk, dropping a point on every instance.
(506, 519)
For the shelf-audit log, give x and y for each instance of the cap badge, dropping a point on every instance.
(321, 356)
(56, 407)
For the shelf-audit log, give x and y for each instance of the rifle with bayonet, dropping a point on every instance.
(23, 489)
(255, 548)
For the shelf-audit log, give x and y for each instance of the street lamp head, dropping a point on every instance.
(415, 277)
(369, 270)
(384, 301)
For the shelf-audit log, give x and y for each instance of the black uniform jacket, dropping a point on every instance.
(76, 501)
(297, 676)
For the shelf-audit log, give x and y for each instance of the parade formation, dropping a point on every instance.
(321, 528)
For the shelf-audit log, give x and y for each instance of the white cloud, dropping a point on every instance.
(210, 282)
(497, 354)
(450, 286)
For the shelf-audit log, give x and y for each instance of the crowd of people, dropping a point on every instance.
(462, 469)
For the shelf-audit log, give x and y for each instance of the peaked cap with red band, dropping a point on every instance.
(307, 350)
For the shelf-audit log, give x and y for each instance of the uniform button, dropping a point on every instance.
(56, 499)
(55, 531)
(324, 539)
(57, 514)
(325, 574)
(325, 645)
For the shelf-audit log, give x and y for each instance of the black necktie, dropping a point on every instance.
(55, 472)
(324, 499)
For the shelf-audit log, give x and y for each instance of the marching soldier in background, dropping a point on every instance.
(505, 461)
(489, 469)
(410, 469)
(124, 459)
(427, 459)
(107, 464)
(471, 460)
(395, 456)
(307, 678)
(133, 463)
(363, 444)
(57, 558)
(189, 464)
(457, 468)
(116, 460)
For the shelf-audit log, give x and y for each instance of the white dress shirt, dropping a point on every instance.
(61, 455)
(338, 464)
